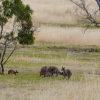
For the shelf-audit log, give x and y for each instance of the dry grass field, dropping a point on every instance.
(59, 42)
(53, 20)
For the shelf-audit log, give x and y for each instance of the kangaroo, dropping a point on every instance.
(66, 72)
(11, 71)
(43, 71)
(53, 70)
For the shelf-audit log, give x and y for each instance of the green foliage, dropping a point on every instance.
(2, 19)
(23, 17)
(23, 14)
(25, 38)
(7, 7)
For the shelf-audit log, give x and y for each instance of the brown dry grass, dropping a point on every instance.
(53, 91)
(53, 11)
(74, 36)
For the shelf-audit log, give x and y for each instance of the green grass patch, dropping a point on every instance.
(59, 25)
(22, 79)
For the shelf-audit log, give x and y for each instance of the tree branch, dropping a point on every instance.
(3, 53)
(1, 30)
(98, 2)
(10, 54)
(87, 27)
(12, 40)
(88, 15)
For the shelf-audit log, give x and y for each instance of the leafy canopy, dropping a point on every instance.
(22, 13)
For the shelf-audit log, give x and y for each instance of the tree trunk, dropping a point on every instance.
(2, 69)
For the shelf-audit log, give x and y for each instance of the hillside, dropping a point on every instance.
(59, 26)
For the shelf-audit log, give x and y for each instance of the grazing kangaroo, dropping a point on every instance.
(11, 71)
(43, 71)
(66, 72)
(53, 70)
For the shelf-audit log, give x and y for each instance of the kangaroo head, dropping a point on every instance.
(63, 68)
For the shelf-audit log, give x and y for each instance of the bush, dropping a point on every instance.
(25, 37)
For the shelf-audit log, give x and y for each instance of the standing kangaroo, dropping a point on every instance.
(11, 71)
(66, 72)
(43, 71)
(53, 70)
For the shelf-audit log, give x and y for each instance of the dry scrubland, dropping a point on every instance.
(56, 44)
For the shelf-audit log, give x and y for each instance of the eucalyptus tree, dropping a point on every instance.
(21, 31)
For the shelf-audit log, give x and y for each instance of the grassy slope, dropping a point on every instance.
(28, 85)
